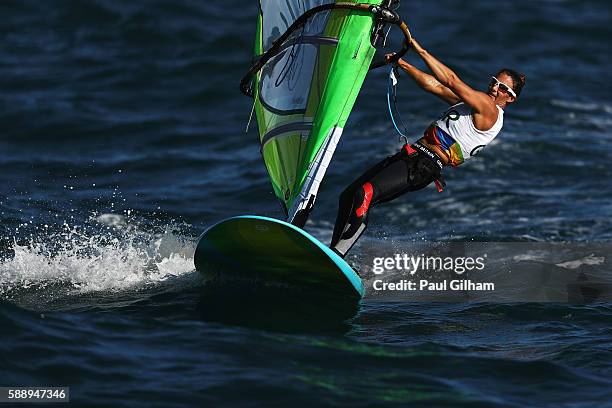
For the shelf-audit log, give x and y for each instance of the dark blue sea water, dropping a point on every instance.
(122, 138)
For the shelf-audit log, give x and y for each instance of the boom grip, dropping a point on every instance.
(400, 53)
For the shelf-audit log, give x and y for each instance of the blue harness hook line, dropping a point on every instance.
(392, 95)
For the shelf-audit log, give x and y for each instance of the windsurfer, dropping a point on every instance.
(473, 121)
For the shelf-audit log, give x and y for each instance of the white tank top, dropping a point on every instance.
(457, 136)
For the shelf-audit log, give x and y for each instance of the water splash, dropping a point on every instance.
(109, 253)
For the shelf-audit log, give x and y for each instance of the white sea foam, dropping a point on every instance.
(576, 105)
(117, 256)
(587, 260)
(533, 255)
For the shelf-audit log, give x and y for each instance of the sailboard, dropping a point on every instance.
(312, 57)
(265, 251)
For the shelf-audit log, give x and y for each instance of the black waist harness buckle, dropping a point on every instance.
(418, 147)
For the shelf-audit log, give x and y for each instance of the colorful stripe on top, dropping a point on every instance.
(437, 137)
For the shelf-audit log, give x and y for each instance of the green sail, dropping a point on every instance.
(305, 93)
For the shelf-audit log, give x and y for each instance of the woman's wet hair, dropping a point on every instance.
(518, 80)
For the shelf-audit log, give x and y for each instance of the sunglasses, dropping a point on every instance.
(502, 86)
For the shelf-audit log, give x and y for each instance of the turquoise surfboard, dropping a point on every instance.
(266, 252)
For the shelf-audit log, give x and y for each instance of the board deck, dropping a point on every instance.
(269, 252)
